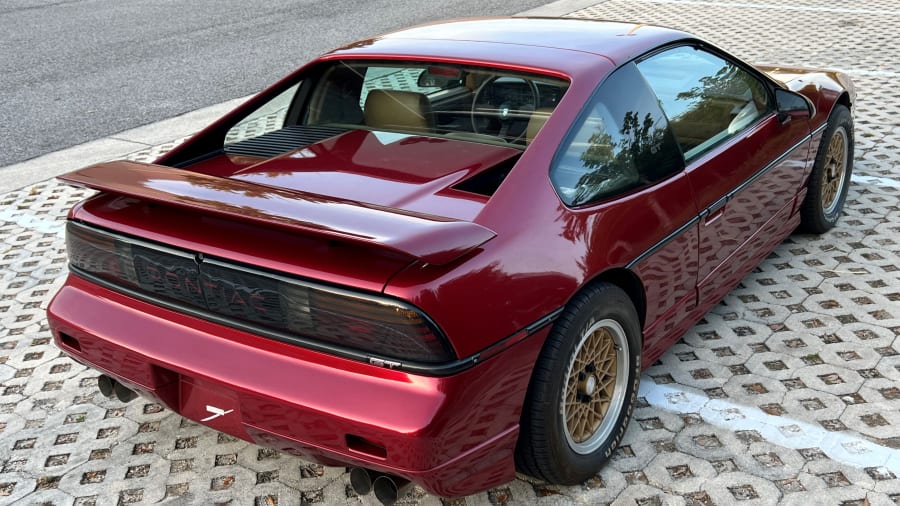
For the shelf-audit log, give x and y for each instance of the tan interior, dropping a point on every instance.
(398, 110)
(536, 122)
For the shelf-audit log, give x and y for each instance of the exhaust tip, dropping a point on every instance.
(389, 489)
(123, 393)
(106, 385)
(110, 388)
(361, 480)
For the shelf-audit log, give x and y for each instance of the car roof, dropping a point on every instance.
(519, 40)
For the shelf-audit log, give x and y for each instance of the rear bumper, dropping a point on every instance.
(452, 435)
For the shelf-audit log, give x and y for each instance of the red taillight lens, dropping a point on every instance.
(100, 254)
(371, 324)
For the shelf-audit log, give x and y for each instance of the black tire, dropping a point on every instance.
(547, 449)
(830, 177)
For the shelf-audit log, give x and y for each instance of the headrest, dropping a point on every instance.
(398, 110)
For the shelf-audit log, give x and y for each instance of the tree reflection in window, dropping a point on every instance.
(706, 98)
(622, 144)
(613, 163)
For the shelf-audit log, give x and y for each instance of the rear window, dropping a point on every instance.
(399, 99)
(268, 118)
(471, 103)
(478, 104)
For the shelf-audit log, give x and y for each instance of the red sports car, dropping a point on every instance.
(446, 253)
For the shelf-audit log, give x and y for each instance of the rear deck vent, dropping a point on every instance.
(487, 181)
(284, 140)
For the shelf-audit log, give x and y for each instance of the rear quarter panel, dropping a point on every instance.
(545, 252)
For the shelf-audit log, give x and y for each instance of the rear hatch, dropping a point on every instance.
(295, 247)
(399, 171)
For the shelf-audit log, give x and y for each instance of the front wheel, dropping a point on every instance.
(830, 177)
(583, 388)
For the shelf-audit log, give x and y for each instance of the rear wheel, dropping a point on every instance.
(830, 177)
(583, 388)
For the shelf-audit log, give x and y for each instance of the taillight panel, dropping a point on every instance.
(369, 323)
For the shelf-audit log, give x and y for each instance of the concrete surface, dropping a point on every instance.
(788, 392)
(76, 70)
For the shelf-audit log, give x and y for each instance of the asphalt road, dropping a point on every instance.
(76, 70)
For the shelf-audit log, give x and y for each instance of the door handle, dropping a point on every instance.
(714, 211)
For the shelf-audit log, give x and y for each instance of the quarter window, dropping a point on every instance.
(707, 99)
(620, 144)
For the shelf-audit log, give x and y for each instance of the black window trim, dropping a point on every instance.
(768, 82)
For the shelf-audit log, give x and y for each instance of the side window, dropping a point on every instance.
(620, 143)
(706, 98)
(268, 118)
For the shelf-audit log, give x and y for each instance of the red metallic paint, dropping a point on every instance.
(305, 400)
(309, 257)
(733, 226)
(822, 87)
(431, 238)
(616, 41)
(456, 434)
(396, 171)
(524, 287)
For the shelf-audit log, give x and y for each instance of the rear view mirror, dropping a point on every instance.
(440, 77)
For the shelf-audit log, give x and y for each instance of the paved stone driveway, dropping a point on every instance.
(788, 391)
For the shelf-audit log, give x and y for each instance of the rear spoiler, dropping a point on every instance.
(432, 239)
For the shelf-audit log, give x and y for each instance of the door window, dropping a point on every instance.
(707, 99)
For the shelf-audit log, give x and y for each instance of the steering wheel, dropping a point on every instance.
(499, 108)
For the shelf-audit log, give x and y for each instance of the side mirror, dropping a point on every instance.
(792, 105)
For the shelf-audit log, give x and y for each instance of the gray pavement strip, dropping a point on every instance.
(787, 391)
(124, 143)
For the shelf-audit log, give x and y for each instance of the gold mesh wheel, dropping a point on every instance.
(583, 387)
(835, 171)
(595, 386)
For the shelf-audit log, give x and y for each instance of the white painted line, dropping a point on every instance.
(843, 447)
(877, 181)
(869, 73)
(779, 7)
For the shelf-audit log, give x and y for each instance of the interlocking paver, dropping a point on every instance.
(788, 390)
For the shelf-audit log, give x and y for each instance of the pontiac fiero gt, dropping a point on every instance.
(446, 253)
